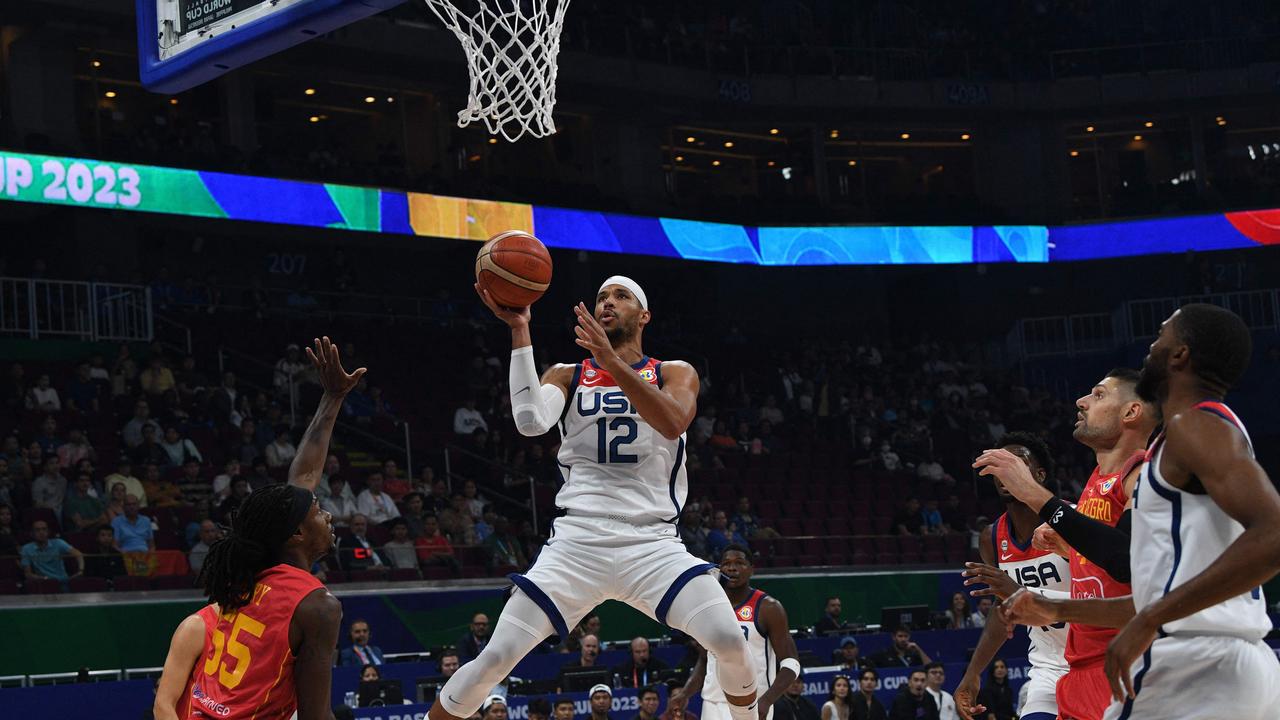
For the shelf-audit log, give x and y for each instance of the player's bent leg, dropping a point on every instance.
(522, 625)
(703, 612)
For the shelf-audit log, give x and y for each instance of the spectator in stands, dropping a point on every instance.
(931, 518)
(912, 702)
(601, 699)
(392, 484)
(456, 522)
(133, 531)
(162, 491)
(332, 466)
(83, 393)
(590, 625)
(887, 459)
(721, 535)
(953, 519)
(748, 523)
(399, 550)
(115, 501)
(503, 548)
(361, 651)
(157, 380)
(693, 534)
(340, 501)
(449, 663)
(132, 431)
(426, 481)
(281, 451)
(648, 705)
(484, 526)
(41, 558)
(902, 653)
(908, 521)
(239, 491)
(831, 623)
(75, 449)
(467, 419)
(192, 383)
(494, 708)
(287, 370)
(562, 709)
(222, 481)
(432, 546)
(29, 463)
(43, 397)
(539, 709)
(223, 402)
(438, 501)
(179, 449)
(934, 677)
(864, 705)
(590, 651)
(849, 655)
(414, 513)
(958, 615)
(209, 534)
(149, 451)
(105, 561)
(49, 489)
(260, 477)
(370, 673)
(641, 668)
(48, 436)
(82, 509)
(355, 552)
(8, 538)
(475, 501)
(266, 423)
(838, 702)
(245, 446)
(476, 637)
(793, 705)
(997, 695)
(124, 475)
(930, 469)
(375, 504)
(980, 613)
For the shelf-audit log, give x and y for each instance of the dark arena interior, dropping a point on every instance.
(886, 237)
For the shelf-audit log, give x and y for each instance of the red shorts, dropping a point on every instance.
(1083, 693)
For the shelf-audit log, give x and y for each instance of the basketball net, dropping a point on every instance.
(511, 48)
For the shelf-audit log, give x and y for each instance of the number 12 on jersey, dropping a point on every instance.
(610, 450)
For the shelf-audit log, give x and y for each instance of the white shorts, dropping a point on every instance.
(1042, 694)
(589, 560)
(1205, 677)
(712, 710)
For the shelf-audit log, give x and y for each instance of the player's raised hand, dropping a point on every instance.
(591, 335)
(1027, 608)
(998, 583)
(1012, 472)
(335, 380)
(1123, 651)
(513, 317)
(966, 696)
(1046, 538)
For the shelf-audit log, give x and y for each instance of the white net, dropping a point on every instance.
(511, 48)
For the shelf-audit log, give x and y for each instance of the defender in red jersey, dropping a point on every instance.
(1115, 423)
(264, 646)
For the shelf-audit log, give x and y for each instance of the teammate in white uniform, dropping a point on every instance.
(1206, 525)
(1008, 562)
(622, 416)
(764, 624)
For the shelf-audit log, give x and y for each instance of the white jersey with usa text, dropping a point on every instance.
(1177, 535)
(613, 463)
(1036, 570)
(748, 617)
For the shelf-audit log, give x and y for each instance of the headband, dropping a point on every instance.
(629, 284)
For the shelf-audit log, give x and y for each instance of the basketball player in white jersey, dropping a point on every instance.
(1206, 525)
(1009, 562)
(764, 624)
(622, 417)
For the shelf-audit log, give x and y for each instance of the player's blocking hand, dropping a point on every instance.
(333, 378)
(998, 583)
(966, 696)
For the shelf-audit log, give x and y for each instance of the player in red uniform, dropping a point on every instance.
(1116, 424)
(264, 646)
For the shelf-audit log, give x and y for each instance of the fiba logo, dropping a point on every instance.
(647, 375)
(745, 613)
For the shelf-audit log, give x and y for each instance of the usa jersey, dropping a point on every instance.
(1103, 499)
(748, 617)
(1035, 570)
(246, 669)
(613, 463)
(1177, 535)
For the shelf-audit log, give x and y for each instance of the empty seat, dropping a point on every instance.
(87, 584)
(173, 582)
(41, 587)
(128, 583)
(790, 527)
(403, 574)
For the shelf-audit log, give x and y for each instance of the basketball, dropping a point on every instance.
(514, 267)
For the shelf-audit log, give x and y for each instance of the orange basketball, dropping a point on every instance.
(514, 267)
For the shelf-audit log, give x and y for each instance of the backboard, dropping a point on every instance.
(183, 43)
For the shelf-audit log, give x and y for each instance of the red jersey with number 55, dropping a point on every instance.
(246, 670)
(1103, 499)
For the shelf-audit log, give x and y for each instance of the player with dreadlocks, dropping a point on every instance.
(268, 634)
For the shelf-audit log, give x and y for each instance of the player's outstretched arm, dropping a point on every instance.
(308, 464)
(693, 685)
(1201, 445)
(184, 650)
(773, 618)
(316, 620)
(994, 635)
(536, 404)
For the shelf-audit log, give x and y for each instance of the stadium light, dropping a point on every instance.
(309, 91)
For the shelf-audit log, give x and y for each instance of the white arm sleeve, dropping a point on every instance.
(535, 407)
